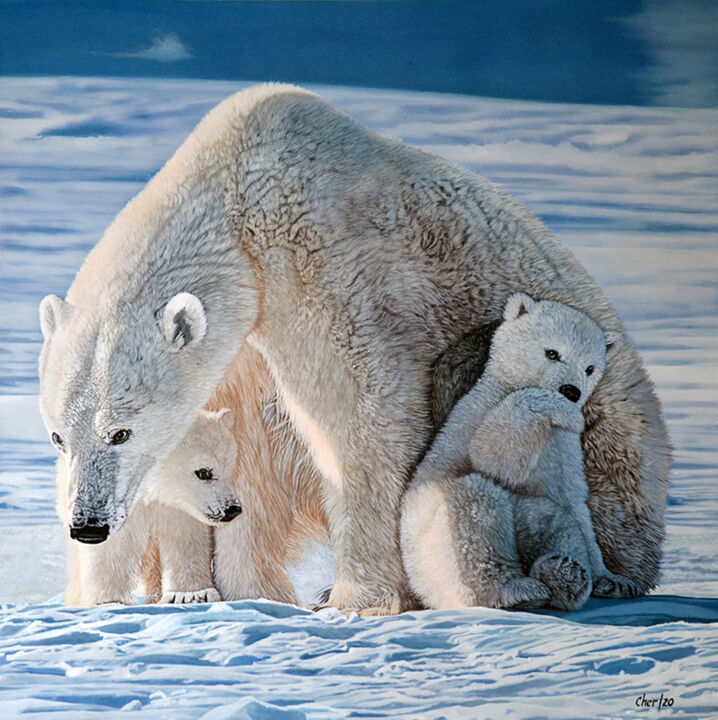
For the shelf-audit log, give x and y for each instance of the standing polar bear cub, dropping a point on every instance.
(166, 541)
(502, 491)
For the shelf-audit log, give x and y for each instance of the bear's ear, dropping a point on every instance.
(183, 322)
(226, 417)
(614, 342)
(517, 305)
(53, 312)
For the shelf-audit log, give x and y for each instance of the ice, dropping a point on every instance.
(631, 190)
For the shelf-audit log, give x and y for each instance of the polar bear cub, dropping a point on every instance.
(167, 540)
(497, 513)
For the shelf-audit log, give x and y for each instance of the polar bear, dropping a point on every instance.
(502, 491)
(166, 542)
(358, 267)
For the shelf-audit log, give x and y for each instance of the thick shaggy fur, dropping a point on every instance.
(357, 266)
(167, 540)
(502, 494)
(279, 487)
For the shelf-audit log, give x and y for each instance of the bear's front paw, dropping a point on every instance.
(568, 581)
(569, 417)
(614, 586)
(186, 597)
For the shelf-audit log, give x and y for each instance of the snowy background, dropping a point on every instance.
(633, 191)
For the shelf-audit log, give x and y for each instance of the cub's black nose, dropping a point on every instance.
(570, 392)
(90, 533)
(231, 512)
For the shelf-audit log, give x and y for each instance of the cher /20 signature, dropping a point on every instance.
(660, 702)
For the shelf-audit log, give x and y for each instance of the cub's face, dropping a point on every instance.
(548, 344)
(197, 476)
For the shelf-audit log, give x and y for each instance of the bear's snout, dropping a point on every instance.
(231, 512)
(91, 532)
(571, 392)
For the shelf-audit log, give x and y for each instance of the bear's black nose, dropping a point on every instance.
(231, 512)
(90, 533)
(571, 392)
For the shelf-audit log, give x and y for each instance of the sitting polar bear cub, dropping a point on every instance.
(166, 542)
(496, 513)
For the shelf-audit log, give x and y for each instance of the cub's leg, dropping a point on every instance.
(249, 553)
(151, 571)
(459, 549)
(553, 547)
(605, 583)
(185, 548)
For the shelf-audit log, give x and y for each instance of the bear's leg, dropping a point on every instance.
(363, 507)
(552, 545)
(151, 571)
(107, 573)
(459, 547)
(185, 547)
(248, 554)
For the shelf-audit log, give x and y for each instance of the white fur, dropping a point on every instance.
(166, 541)
(353, 263)
(522, 421)
(429, 552)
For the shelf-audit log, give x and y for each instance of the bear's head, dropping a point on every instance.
(551, 345)
(120, 383)
(197, 476)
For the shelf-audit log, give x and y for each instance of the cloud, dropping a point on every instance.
(165, 48)
(681, 41)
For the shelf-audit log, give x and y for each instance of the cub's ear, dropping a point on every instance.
(517, 305)
(53, 312)
(614, 342)
(226, 416)
(183, 321)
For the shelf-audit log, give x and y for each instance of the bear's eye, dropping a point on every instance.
(589, 370)
(204, 473)
(553, 355)
(57, 441)
(117, 437)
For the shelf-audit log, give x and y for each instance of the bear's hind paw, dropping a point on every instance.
(179, 597)
(568, 581)
(614, 586)
(523, 593)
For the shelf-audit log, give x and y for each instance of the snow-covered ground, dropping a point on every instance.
(633, 191)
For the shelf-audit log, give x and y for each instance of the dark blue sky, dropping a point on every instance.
(562, 50)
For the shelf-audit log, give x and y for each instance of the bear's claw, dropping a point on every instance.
(179, 597)
(523, 593)
(567, 580)
(614, 586)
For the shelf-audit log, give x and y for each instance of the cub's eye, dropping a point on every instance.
(117, 437)
(204, 473)
(553, 355)
(589, 370)
(57, 441)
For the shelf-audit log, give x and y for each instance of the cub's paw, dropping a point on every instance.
(523, 593)
(568, 581)
(614, 586)
(187, 597)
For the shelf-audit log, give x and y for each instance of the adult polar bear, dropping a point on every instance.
(366, 273)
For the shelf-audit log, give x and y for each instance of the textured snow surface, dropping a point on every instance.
(631, 190)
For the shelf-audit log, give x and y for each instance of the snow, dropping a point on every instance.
(631, 190)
